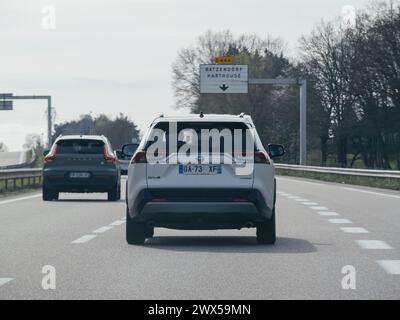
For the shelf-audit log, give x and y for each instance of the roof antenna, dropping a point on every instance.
(201, 114)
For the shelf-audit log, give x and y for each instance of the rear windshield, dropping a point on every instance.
(186, 128)
(80, 146)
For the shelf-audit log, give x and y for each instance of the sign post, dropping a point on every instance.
(8, 105)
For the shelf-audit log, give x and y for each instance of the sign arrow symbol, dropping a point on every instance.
(224, 87)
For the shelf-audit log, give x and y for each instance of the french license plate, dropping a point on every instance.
(200, 169)
(79, 175)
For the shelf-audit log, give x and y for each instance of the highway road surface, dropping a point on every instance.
(322, 228)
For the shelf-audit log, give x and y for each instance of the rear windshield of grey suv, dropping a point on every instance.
(80, 146)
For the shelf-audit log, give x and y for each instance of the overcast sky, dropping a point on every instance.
(115, 56)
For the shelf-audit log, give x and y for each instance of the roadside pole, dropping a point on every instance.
(225, 77)
(10, 97)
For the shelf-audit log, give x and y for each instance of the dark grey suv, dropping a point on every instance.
(81, 164)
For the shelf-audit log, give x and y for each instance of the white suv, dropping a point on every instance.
(202, 172)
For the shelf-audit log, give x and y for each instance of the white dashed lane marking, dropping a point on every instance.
(390, 266)
(3, 281)
(103, 229)
(319, 208)
(354, 230)
(373, 244)
(117, 223)
(328, 213)
(85, 238)
(340, 221)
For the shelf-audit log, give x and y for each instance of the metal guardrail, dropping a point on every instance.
(33, 177)
(28, 178)
(342, 171)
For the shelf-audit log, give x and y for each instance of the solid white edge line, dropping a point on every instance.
(294, 180)
(117, 223)
(85, 238)
(3, 281)
(371, 192)
(20, 199)
(103, 229)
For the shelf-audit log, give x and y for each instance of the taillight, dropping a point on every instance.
(108, 157)
(51, 155)
(139, 157)
(260, 157)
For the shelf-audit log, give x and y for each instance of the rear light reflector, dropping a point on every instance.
(102, 176)
(55, 177)
(108, 157)
(261, 157)
(51, 155)
(139, 157)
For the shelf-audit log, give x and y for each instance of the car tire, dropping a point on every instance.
(266, 231)
(119, 192)
(149, 232)
(49, 195)
(114, 194)
(135, 231)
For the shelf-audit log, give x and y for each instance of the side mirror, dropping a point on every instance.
(45, 152)
(129, 149)
(275, 150)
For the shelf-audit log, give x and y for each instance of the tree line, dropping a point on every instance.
(353, 74)
(119, 131)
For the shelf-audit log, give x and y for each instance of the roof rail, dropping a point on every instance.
(201, 114)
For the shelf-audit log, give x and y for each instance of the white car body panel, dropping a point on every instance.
(143, 176)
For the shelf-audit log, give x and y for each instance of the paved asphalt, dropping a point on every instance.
(9, 158)
(305, 263)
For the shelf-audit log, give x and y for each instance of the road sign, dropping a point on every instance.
(224, 78)
(6, 105)
(224, 60)
(6, 95)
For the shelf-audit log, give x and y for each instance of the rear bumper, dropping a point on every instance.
(185, 209)
(98, 181)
